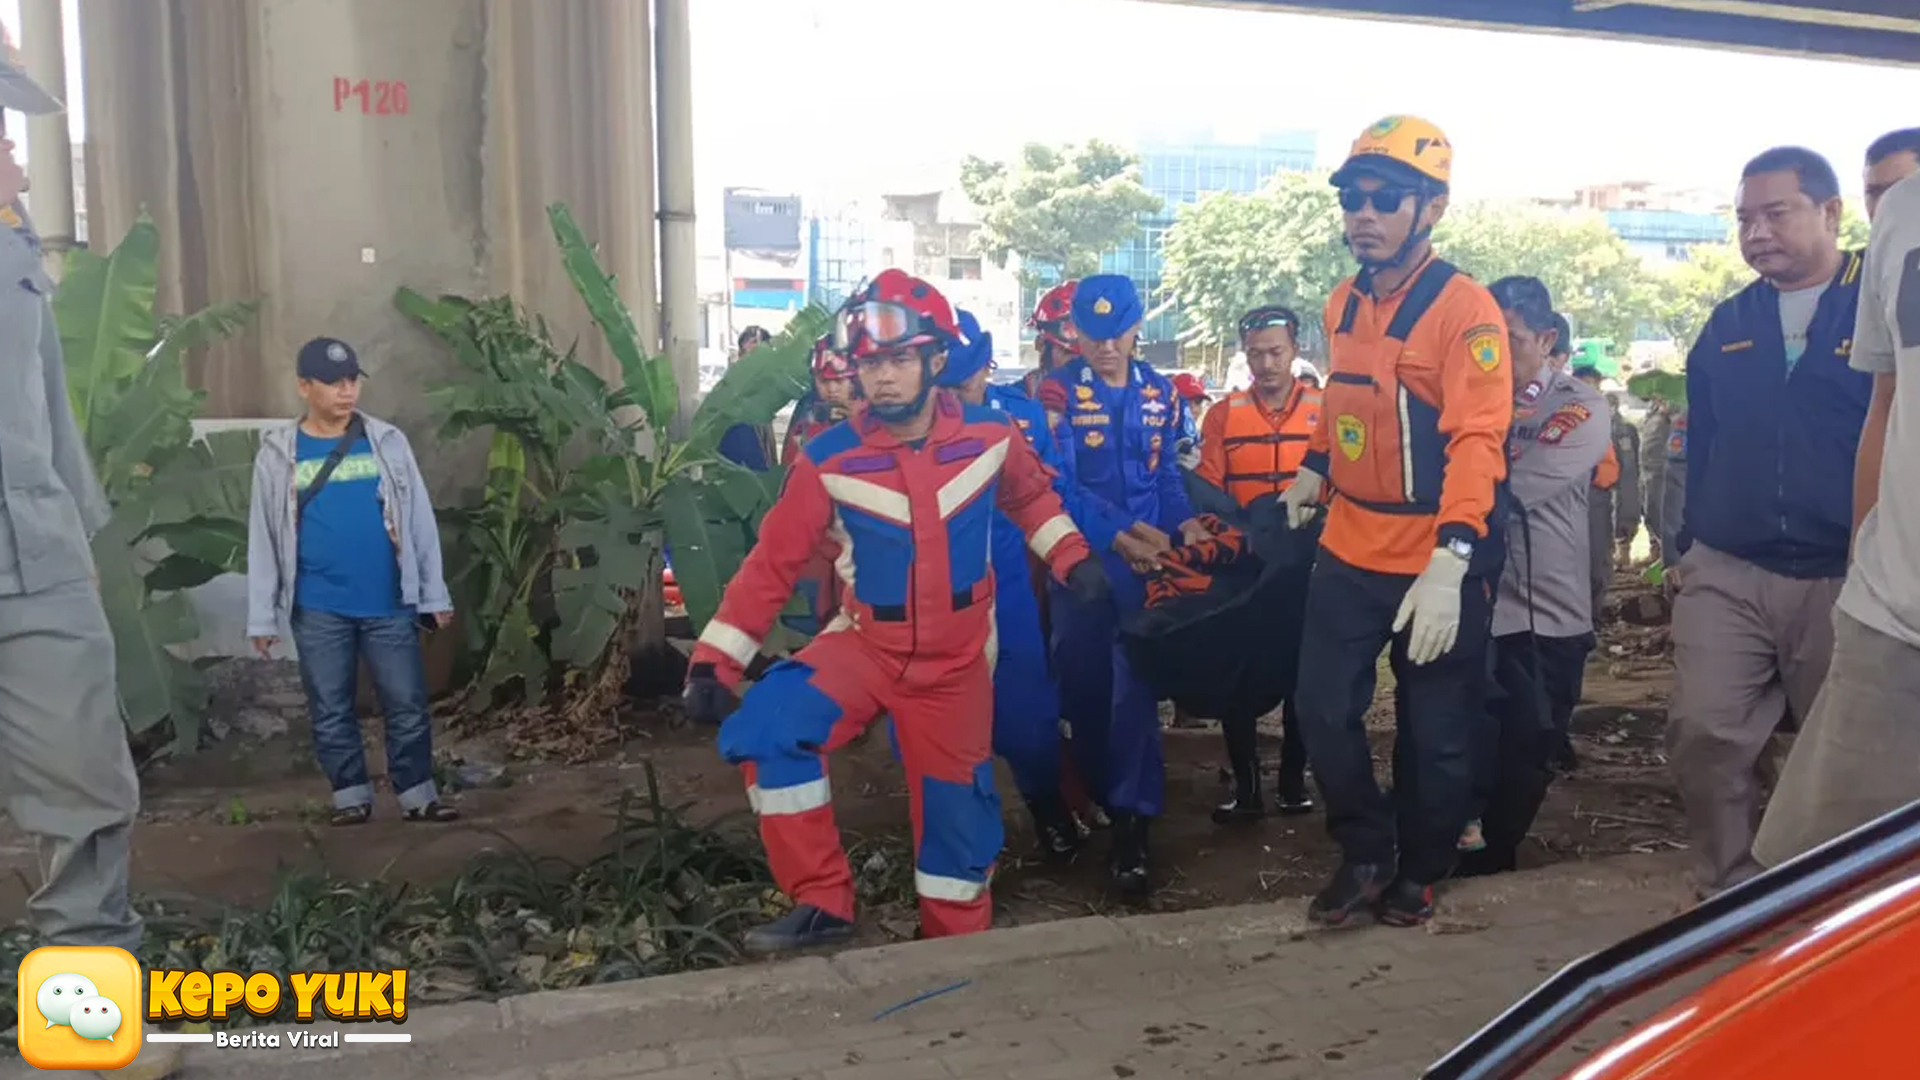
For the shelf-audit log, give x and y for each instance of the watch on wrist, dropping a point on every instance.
(1459, 547)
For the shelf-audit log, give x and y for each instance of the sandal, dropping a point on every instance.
(350, 815)
(433, 811)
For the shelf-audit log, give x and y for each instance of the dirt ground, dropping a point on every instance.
(217, 826)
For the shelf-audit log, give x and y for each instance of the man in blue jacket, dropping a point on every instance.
(1773, 426)
(1026, 703)
(1116, 420)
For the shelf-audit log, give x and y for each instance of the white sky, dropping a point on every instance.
(806, 93)
(820, 96)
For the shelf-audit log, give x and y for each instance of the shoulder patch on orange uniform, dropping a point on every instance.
(1486, 343)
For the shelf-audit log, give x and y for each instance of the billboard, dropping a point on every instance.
(761, 221)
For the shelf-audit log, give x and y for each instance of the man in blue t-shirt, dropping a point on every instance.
(344, 550)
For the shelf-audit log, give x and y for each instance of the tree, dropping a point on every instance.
(1228, 254)
(1057, 206)
(1597, 282)
(1685, 294)
(1853, 228)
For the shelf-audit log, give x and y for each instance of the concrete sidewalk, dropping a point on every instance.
(1227, 993)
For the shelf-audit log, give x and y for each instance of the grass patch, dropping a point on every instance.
(668, 896)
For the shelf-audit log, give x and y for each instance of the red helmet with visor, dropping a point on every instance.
(1053, 316)
(828, 364)
(894, 310)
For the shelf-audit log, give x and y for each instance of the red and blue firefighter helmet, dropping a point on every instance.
(829, 365)
(895, 310)
(1052, 318)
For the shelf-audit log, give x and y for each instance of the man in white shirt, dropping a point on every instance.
(1854, 759)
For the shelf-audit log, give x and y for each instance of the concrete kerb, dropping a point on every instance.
(930, 965)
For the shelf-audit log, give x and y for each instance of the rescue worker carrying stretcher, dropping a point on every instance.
(1411, 446)
(1115, 419)
(1251, 446)
(907, 490)
(1543, 613)
(1026, 703)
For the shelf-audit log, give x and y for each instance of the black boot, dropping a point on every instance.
(1128, 862)
(805, 927)
(1293, 797)
(1355, 887)
(1243, 759)
(1059, 836)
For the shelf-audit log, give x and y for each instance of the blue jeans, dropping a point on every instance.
(331, 647)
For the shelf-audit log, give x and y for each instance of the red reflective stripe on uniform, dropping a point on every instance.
(738, 645)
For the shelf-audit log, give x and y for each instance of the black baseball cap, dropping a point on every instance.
(328, 360)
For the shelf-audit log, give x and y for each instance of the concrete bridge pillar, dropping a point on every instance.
(318, 154)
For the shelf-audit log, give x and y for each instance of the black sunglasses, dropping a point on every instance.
(1386, 200)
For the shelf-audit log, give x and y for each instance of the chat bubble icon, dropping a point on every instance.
(94, 1018)
(58, 993)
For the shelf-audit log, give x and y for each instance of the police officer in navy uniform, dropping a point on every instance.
(1116, 420)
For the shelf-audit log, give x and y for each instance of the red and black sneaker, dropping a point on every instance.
(1406, 903)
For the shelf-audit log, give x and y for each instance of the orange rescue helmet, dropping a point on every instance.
(1404, 149)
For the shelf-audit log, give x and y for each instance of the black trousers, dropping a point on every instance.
(1440, 712)
(1536, 684)
(1280, 628)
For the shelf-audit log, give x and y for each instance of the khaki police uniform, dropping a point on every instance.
(66, 774)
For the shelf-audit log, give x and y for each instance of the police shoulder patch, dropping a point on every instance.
(1486, 343)
(1562, 422)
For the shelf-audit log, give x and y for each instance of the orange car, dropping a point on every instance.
(1833, 999)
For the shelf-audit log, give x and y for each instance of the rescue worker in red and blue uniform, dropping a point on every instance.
(1116, 420)
(828, 403)
(1053, 334)
(1026, 702)
(906, 489)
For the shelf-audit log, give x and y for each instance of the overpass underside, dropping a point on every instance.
(1874, 31)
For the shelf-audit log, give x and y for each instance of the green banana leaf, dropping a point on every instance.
(105, 308)
(649, 380)
(153, 683)
(709, 539)
(181, 334)
(179, 504)
(760, 384)
(615, 556)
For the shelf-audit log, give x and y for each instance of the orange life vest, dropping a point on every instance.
(1263, 449)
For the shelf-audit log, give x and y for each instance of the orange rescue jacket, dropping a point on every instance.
(1248, 450)
(1414, 423)
(1607, 473)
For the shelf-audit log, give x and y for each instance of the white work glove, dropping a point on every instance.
(1302, 498)
(1432, 605)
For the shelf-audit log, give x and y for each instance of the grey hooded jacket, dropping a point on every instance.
(273, 557)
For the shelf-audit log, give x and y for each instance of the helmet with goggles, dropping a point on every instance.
(828, 364)
(1052, 317)
(894, 311)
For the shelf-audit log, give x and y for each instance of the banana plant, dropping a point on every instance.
(587, 484)
(179, 502)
